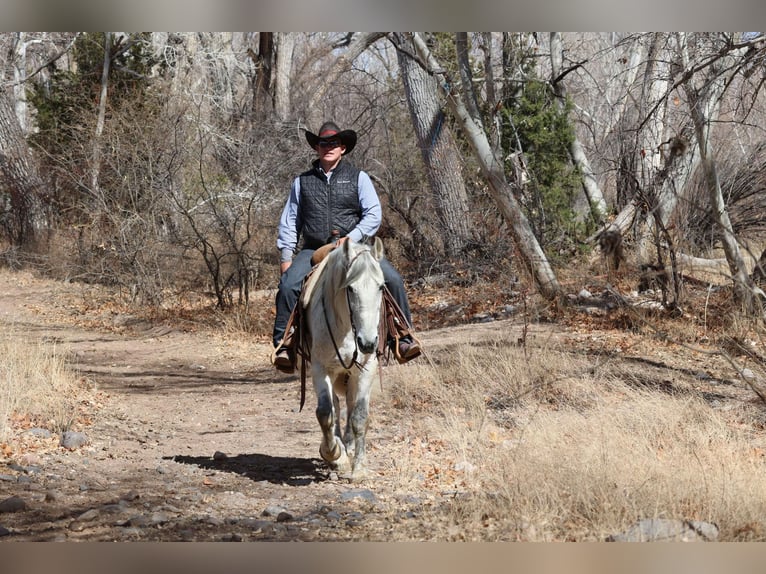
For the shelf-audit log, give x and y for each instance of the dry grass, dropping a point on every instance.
(561, 450)
(37, 387)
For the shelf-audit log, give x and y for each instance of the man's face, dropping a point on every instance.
(330, 150)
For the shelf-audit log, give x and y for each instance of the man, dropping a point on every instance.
(332, 202)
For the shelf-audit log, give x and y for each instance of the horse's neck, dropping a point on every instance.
(334, 298)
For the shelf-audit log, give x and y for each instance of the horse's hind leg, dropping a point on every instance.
(331, 449)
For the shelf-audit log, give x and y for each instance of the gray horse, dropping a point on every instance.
(343, 319)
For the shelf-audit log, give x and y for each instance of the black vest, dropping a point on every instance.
(329, 206)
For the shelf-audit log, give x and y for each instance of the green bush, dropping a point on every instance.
(540, 128)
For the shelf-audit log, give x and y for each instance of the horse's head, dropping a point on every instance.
(363, 283)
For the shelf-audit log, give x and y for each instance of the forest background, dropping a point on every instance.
(586, 180)
(513, 154)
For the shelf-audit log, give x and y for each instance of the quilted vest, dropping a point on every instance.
(328, 206)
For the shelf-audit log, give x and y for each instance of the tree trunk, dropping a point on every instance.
(743, 285)
(20, 183)
(492, 169)
(576, 150)
(263, 60)
(285, 46)
(101, 119)
(704, 100)
(466, 77)
(439, 151)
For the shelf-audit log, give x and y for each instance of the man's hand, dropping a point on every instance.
(284, 266)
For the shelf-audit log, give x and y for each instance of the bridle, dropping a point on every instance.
(353, 361)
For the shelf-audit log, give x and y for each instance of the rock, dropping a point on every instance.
(144, 520)
(117, 508)
(88, 515)
(77, 526)
(219, 456)
(39, 432)
(284, 516)
(669, 530)
(465, 466)
(273, 510)
(4, 531)
(254, 523)
(72, 440)
(233, 537)
(130, 496)
(13, 504)
(213, 520)
(52, 496)
(363, 493)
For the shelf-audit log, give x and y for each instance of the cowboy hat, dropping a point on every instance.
(330, 130)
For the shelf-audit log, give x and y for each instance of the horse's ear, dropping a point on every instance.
(377, 249)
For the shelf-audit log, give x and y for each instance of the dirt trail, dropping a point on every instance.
(197, 438)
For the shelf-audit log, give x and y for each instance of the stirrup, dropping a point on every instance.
(283, 359)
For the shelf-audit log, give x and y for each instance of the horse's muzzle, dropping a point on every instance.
(366, 346)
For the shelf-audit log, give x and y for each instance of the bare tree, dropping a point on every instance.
(704, 84)
(492, 169)
(355, 44)
(437, 146)
(576, 150)
(21, 186)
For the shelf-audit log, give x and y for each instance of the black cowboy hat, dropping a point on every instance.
(330, 130)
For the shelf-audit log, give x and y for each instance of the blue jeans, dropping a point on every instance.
(290, 289)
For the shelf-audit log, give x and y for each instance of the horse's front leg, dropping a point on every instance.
(331, 449)
(358, 420)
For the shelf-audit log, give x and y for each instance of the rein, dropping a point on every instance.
(332, 338)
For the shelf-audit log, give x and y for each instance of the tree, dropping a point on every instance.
(704, 85)
(285, 47)
(492, 169)
(355, 45)
(590, 184)
(21, 186)
(437, 146)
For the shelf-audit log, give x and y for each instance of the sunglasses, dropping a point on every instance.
(329, 145)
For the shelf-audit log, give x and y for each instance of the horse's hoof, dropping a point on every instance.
(329, 455)
(337, 451)
(342, 464)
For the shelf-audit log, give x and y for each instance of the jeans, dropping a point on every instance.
(292, 280)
